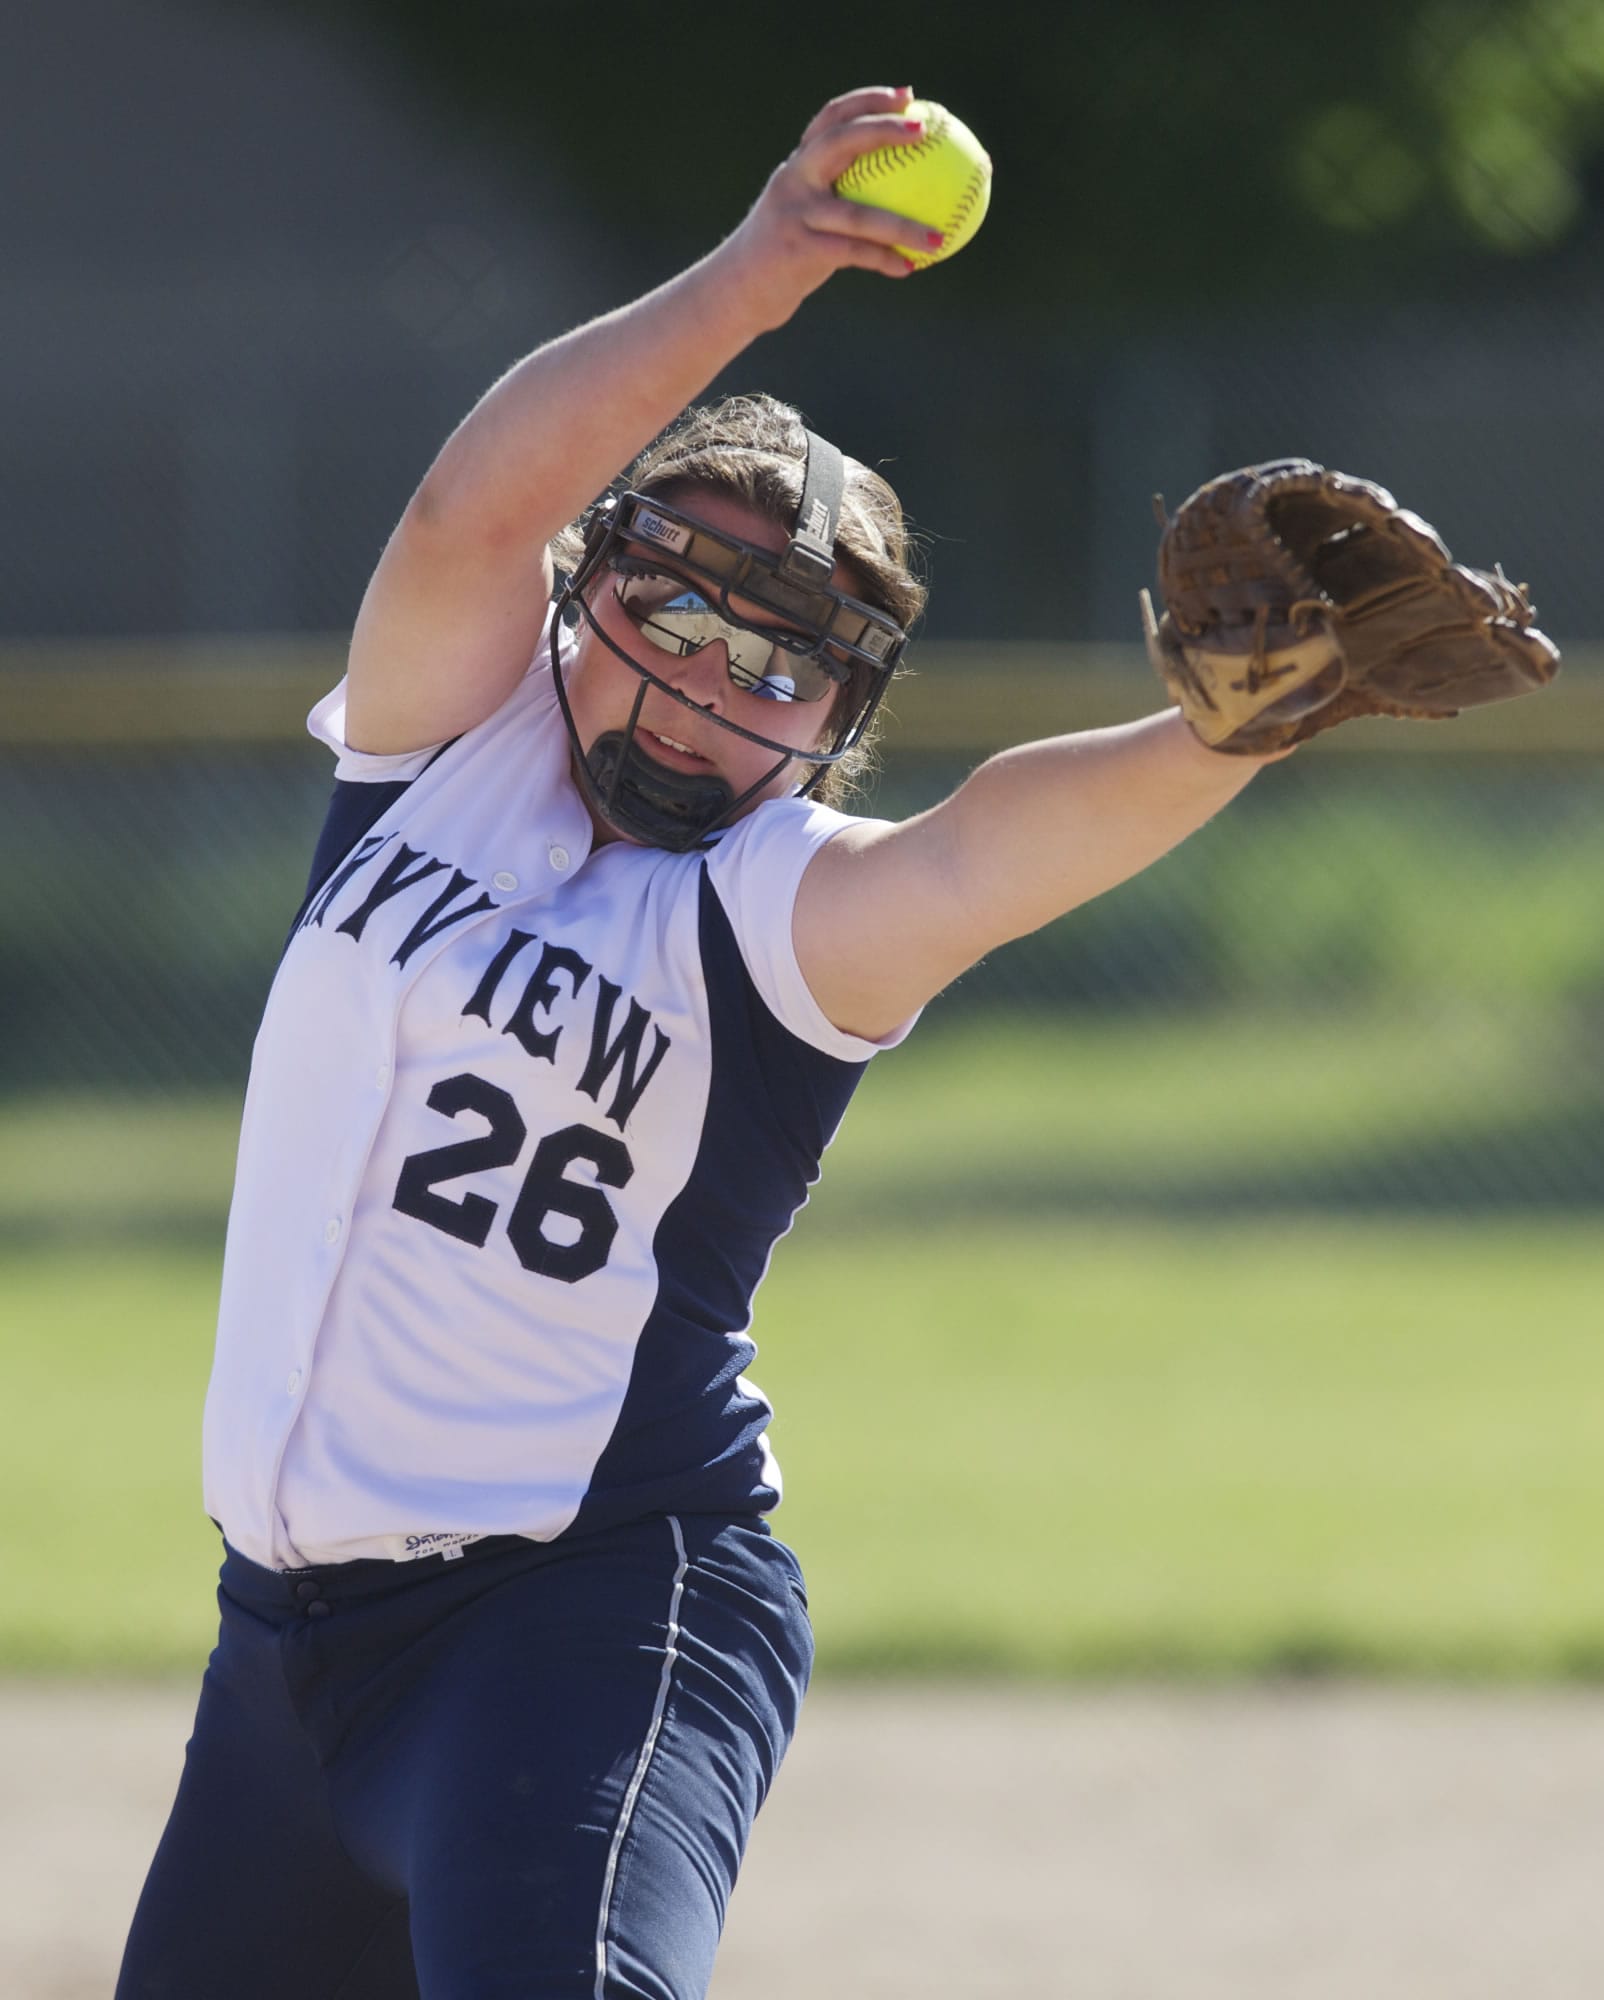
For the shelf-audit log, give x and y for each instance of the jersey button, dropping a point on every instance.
(317, 1608)
(306, 1590)
(505, 880)
(293, 1383)
(560, 858)
(331, 1230)
(381, 1076)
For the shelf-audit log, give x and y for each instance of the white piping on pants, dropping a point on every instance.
(643, 1761)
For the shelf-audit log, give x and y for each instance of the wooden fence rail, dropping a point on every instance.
(958, 699)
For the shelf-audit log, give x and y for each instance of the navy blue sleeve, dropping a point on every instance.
(352, 810)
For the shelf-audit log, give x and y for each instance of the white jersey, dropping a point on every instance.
(524, 1124)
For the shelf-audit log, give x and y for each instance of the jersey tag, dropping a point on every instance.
(447, 1546)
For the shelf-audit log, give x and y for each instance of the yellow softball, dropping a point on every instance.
(942, 180)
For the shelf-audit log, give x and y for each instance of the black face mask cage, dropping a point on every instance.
(833, 622)
(678, 810)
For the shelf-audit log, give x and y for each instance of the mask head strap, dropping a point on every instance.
(810, 558)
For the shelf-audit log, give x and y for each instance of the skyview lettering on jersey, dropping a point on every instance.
(556, 981)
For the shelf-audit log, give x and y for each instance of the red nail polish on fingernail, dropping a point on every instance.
(934, 238)
(915, 126)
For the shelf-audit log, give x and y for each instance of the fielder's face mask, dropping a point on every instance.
(674, 578)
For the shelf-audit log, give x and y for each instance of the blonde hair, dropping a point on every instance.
(754, 449)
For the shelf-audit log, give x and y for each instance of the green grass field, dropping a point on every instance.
(1048, 1403)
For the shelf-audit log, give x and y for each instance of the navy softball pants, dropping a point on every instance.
(529, 1771)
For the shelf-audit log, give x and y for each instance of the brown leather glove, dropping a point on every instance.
(1297, 598)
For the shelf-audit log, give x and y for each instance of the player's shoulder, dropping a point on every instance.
(754, 872)
(776, 828)
(755, 867)
(531, 703)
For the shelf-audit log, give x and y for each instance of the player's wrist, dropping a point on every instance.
(1202, 768)
(751, 287)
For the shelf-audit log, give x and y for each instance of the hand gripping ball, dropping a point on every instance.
(942, 180)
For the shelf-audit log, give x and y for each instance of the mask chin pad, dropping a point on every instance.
(659, 807)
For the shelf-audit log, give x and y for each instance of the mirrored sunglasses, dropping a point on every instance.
(677, 618)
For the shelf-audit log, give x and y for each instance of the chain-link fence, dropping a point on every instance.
(1394, 948)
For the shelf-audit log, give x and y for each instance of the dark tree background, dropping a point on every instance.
(1152, 157)
(1218, 235)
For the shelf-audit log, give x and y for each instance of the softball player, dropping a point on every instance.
(585, 976)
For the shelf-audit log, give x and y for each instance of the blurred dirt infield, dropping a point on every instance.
(1130, 1844)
